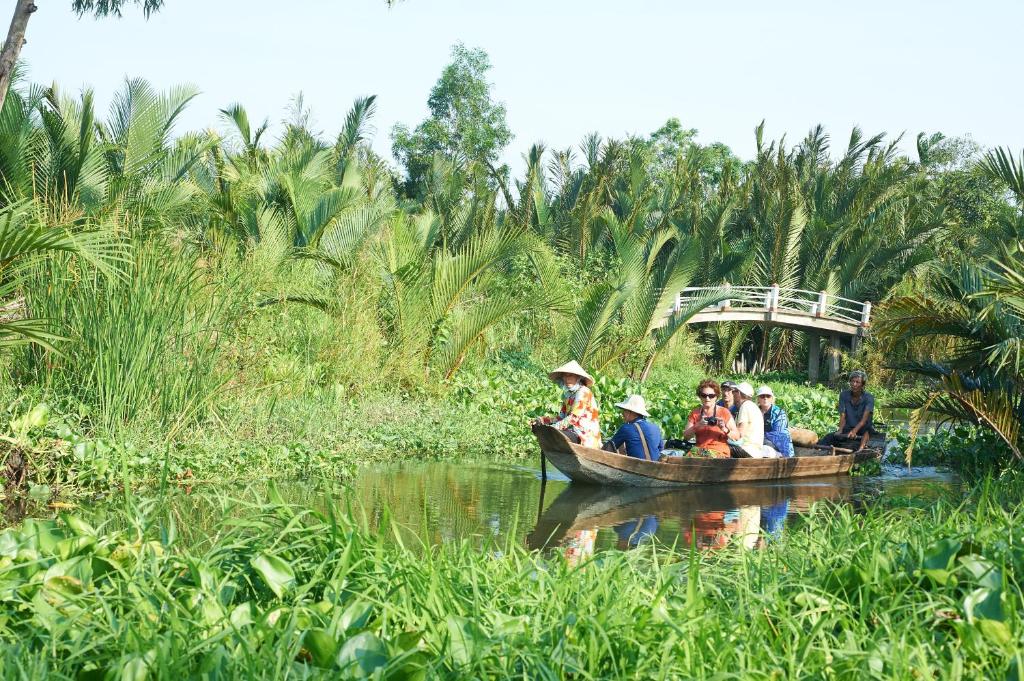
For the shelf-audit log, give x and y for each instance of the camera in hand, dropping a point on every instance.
(711, 420)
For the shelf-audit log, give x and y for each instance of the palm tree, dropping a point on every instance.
(49, 151)
(973, 318)
(439, 297)
(632, 313)
(25, 235)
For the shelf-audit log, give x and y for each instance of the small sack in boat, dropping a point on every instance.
(803, 437)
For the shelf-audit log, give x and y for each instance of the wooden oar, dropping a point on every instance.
(543, 463)
(839, 450)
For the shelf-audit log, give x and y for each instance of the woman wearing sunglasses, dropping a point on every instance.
(711, 424)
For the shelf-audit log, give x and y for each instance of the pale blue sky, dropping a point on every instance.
(565, 68)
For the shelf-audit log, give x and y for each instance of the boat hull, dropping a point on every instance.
(598, 467)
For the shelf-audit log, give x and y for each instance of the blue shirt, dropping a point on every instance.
(773, 518)
(732, 410)
(636, 531)
(628, 435)
(776, 431)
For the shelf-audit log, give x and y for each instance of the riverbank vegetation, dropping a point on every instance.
(898, 590)
(184, 294)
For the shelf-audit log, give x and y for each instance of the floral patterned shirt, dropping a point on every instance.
(579, 412)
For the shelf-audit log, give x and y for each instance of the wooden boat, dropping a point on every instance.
(598, 467)
(581, 507)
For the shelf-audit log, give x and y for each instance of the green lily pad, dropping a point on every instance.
(983, 571)
(940, 555)
(365, 652)
(465, 638)
(321, 646)
(275, 572)
(984, 604)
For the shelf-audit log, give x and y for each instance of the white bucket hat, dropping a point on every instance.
(572, 367)
(746, 389)
(765, 390)
(635, 404)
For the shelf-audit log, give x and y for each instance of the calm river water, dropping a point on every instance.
(436, 503)
(490, 505)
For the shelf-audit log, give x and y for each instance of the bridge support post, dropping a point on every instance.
(833, 356)
(813, 357)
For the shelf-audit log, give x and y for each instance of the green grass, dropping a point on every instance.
(142, 345)
(285, 591)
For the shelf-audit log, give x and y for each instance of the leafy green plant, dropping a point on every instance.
(967, 449)
(288, 590)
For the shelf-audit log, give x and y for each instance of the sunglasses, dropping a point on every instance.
(708, 396)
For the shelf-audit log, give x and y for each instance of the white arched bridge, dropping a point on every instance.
(817, 313)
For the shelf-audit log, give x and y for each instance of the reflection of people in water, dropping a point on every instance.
(579, 546)
(715, 529)
(711, 529)
(633, 533)
(773, 519)
(749, 526)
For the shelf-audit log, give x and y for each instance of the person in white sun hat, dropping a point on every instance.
(776, 422)
(641, 438)
(579, 416)
(750, 422)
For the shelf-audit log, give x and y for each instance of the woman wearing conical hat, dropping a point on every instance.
(579, 415)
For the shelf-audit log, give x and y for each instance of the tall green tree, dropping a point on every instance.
(464, 123)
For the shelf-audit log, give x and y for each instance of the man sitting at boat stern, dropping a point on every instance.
(856, 414)
(750, 422)
(641, 438)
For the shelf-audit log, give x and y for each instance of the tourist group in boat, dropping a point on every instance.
(731, 420)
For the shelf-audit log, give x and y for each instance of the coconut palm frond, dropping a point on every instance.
(1001, 165)
(30, 331)
(996, 405)
(22, 235)
(469, 326)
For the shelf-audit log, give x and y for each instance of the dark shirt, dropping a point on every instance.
(628, 435)
(732, 410)
(855, 412)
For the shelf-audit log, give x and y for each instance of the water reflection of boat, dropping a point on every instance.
(598, 467)
(636, 512)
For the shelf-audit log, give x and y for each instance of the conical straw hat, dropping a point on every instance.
(572, 367)
(635, 404)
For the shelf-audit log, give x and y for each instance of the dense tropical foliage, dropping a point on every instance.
(143, 265)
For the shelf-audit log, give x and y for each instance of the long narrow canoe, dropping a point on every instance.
(599, 467)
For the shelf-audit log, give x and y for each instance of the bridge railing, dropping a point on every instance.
(818, 304)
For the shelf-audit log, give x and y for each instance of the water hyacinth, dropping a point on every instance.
(284, 591)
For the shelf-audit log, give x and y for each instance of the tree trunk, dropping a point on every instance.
(12, 46)
(762, 359)
(647, 366)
